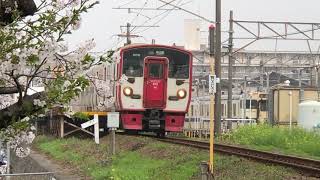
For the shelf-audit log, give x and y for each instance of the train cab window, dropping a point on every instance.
(179, 65)
(133, 63)
(156, 70)
(254, 104)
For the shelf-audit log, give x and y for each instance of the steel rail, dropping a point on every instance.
(307, 166)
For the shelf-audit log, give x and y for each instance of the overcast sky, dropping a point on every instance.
(103, 22)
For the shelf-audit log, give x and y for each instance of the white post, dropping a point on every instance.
(113, 124)
(95, 123)
(243, 107)
(113, 130)
(8, 158)
(96, 128)
(290, 108)
(250, 108)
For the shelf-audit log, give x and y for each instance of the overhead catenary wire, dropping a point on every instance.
(165, 13)
(129, 2)
(140, 11)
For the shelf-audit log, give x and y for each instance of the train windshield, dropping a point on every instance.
(178, 61)
(133, 63)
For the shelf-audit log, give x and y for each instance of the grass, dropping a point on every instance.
(125, 165)
(151, 160)
(264, 137)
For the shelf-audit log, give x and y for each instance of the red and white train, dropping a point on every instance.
(157, 93)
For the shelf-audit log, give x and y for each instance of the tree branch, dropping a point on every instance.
(18, 111)
(8, 90)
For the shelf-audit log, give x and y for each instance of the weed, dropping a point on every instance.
(295, 141)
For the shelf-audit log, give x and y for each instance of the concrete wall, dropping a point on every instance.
(281, 104)
(37, 163)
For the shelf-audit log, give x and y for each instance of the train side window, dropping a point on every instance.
(263, 105)
(234, 109)
(254, 104)
(191, 110)
(222, 109)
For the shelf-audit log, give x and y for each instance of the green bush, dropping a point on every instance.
(79, 116)
(265, 137)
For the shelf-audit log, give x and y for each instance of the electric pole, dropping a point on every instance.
(129, 34)
(212, 108)
(217, 124)
(230, 74)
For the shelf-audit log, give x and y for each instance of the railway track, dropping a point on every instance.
(306, 166)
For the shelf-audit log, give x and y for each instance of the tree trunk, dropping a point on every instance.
(26, 7)
(18, 111)
(8, 90)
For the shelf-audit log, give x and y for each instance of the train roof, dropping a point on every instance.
(132, 46)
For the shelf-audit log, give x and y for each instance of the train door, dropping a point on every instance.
(155, 82)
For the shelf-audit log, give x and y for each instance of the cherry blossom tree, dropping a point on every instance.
(33, 51)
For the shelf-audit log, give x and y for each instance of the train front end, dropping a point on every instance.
(156, 91)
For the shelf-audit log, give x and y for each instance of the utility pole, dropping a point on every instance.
(245, 97)
(261, 75)
(128, 34)
(301, 91)
(217, 108)
(230, 74)
(212, 104)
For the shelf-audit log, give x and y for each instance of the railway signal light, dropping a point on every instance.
(212, 28)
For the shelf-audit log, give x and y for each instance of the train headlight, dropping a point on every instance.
(181, 93)
(127, 91)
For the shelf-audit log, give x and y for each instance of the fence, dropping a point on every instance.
(200, 127)
(28, 176)
(4, 157)
(5, 161)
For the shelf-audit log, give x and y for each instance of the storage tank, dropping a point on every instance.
(309, 115)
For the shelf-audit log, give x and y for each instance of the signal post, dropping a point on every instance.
(212, 91)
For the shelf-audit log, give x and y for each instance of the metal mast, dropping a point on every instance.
(217, 124)
(230, 47)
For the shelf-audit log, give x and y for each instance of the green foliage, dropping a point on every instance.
(126, 165)
(167, 162)
(32, 48)
(81, 116)
(87, 59)
(296, 141)
(57, 93)
(33, 59)
(12, 131)
(144, 167)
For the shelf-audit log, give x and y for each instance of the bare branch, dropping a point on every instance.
(8, 90)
